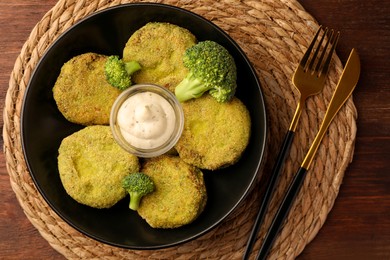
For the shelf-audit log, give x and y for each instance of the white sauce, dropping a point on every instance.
(146, 120)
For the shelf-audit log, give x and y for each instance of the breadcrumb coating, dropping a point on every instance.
(215, 134)
(92, 165)
(179, 196)
(81, 91)
(159, 49)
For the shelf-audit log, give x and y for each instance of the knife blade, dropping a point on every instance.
(344, 89)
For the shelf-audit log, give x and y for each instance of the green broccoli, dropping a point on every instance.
(137, 185)
(118, 73)
(211, 68)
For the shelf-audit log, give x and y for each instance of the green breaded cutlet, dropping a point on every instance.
(81, 91)
(215, 134)
(159, 48)
(179, 196)
(92, 165)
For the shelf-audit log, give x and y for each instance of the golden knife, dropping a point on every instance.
(345, 86)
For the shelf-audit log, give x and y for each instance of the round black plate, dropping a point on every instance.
(43, 128)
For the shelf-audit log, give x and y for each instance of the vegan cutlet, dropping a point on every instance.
(159, 48)
(81, 91)
(215, 134)
(179, 196)
(92, 165)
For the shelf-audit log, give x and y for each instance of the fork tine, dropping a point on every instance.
(315, 55)
(330, 38)
(310, 48)
(323, 69)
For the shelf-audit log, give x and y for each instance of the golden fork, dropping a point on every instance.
(309, 78)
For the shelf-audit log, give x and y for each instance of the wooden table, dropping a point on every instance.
(358, 226)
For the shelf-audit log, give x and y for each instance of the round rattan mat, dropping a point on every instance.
(274, 34)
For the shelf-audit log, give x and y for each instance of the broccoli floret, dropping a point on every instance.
(118, 73)
(137, 185)
(211, 68)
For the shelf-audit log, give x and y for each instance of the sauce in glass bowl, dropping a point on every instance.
(147, 120)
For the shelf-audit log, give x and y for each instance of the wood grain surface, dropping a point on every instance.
(358, 227)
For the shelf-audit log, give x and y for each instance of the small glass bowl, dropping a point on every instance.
(172, 140)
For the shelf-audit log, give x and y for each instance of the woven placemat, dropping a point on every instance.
(274, 34)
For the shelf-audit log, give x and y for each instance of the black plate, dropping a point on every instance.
(43, 128)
